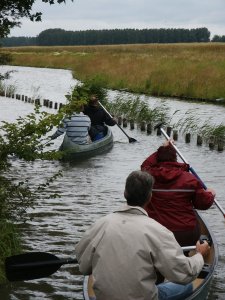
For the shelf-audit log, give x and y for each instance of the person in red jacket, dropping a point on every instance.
(176, 194)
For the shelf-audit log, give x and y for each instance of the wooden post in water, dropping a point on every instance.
(199, 140)
(220, 146)
(158, 131)
(187, 137)
(56, 105)
(143, 125)
(175, 135)
(131, 124)
(37, 102)
(120, 121)
(124, 122)
(50, 104)
(169, 130)
(211, 143)
(149, 128)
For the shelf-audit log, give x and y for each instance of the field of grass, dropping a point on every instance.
(176, 70)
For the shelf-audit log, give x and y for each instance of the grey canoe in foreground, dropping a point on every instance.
(201, 284)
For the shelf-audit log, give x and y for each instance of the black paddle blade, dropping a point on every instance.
(132, 140)
(158, 125)
(33, 265)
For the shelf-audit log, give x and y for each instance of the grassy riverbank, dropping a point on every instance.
(9, 245)
(176, 70)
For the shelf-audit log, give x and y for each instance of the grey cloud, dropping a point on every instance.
(100, 14)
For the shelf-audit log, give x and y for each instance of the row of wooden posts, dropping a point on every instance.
(44, 102)
(144, 126)
(173, 133)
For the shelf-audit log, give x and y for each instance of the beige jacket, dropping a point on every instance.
(123, 249)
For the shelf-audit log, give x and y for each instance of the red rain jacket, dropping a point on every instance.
(175, 193)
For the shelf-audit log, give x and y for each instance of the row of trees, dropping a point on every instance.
(218, 38)
(60, 37)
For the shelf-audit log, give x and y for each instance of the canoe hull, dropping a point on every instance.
(202, 290)
(201, 284)
(73, 151)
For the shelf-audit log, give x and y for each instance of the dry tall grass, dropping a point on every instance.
(181, 70)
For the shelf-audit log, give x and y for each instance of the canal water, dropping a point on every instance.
(92, 188)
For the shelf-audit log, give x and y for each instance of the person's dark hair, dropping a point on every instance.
(166, 153)
(93, 99)
(138, 188)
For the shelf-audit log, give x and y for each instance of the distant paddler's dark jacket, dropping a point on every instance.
(176, 193)
(98, 116)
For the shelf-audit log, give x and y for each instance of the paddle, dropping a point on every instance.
(33, 265)
(131, 140)
(48, 141)
(190, 168)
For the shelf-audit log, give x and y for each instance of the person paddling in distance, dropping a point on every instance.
(99, 118)
(176, 194)
(76, 127)
(124, 249)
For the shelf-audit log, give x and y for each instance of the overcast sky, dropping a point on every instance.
(139, 14)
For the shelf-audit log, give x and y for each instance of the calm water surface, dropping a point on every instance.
(93, 188)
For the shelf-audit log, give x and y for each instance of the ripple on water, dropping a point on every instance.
(92, 188)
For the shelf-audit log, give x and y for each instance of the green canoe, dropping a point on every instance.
(73, 151)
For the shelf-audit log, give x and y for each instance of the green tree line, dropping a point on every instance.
(60, 37)
(218, 38)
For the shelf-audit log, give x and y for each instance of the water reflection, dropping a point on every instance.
(92, 188)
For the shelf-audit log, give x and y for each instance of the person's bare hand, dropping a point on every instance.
(211, 191)
(167, 142)
(203, 248)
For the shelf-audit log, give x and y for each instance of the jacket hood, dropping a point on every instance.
(167, 171)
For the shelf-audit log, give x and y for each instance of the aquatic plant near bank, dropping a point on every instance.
(208, 131)
(138, 110)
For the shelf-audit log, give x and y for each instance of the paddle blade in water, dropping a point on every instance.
(132, 140)
(33, 265)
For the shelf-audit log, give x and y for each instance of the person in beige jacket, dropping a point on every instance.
(124, 249)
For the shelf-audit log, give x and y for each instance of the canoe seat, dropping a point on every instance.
(197, 282)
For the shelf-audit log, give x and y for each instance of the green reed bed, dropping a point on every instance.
(207, 130)
(176, 70)
(138, 110)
